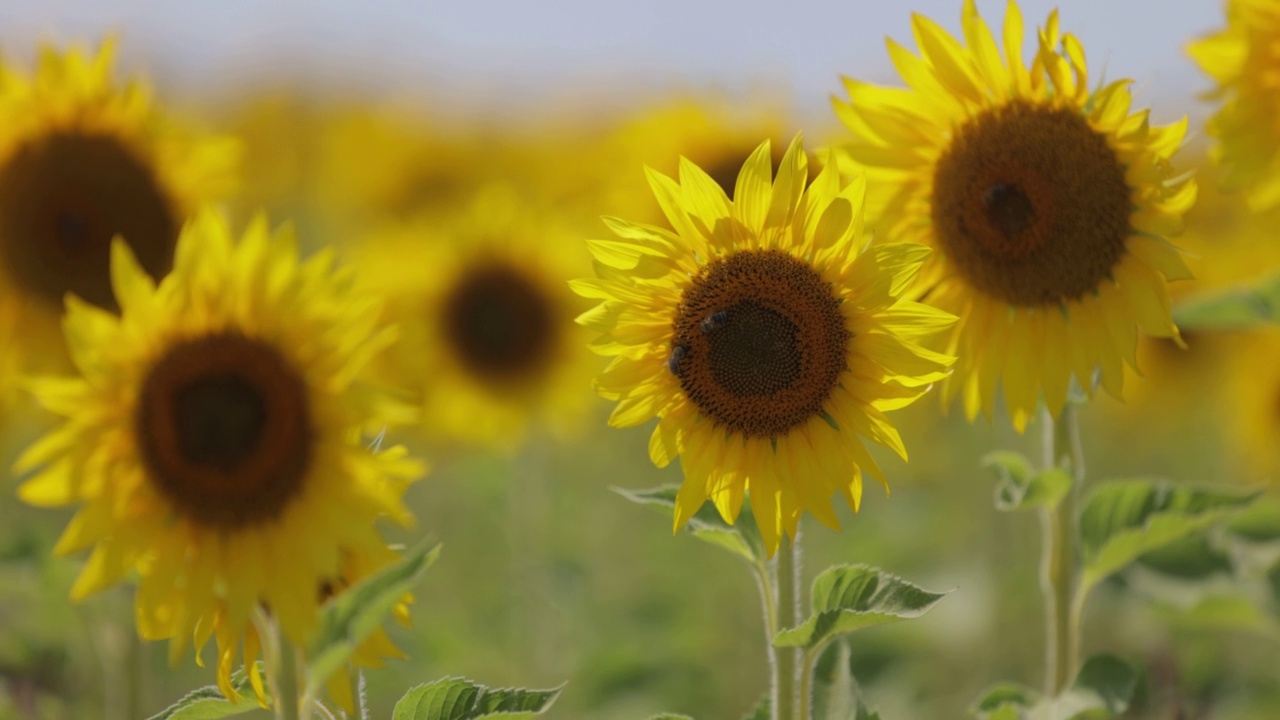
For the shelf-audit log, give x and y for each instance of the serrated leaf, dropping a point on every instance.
(1002, 701)
(1021, 487)
(762, 711)
(742, 538)
(208, 703)
(1103, 688)
(348, 619)
(1123, 520)
(461, 699)
(1232, 309)
(851, 597)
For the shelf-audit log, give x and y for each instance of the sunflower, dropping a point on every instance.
(212, 438)
(1244, 60)
(1248, 403)
(764, 338)
(489, 344)
(1048, 204)
(84, 158)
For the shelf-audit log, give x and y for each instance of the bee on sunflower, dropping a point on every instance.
(1048, 203)
(764, 337)
(211, 439)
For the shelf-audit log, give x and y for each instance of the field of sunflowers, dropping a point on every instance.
(953, 392)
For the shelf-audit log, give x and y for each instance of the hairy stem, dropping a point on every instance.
(786, 685)
(1059, 574)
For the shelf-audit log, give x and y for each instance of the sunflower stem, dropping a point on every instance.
(787, 661)
(358, 699)
(285, 677)
(1058, 562)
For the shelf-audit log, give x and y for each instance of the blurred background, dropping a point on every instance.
(360, 116)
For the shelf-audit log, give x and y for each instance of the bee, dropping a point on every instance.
(714, 321)
(678, 353)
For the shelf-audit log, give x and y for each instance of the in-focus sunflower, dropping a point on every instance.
(84, 158)
(1244, 60)
(489, 342)
(212, 438)
(1048, 204)
(766, 340)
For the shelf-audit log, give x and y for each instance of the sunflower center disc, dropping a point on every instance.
(500, 323)
(63, 197)
(223, 427)
(1031, 204)
(763, 342)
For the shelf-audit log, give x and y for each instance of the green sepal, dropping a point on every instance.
(1104, 688)
(741, 538)
(1021, 487)
(208, 703)
(349, 618)
(461, 699)
(852, 597)
(1004, 701)
(1232, 309)
(1122, 521)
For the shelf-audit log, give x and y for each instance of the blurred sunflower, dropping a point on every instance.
(212, 439)
(1249, 403)
(1048, 204)
(1244, 60)
(84, 158)
(489, 343)
(764, 338)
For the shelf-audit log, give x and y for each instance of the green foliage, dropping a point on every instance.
(1232, 309)
(670, 716)
(851, 597)
(762, 711)
(461, 699)
(742, 538)
(208, 703)
(1104, 688)
(1258, 523)
(1021, 487)
(349, 618)
(835, 690)
(1004, 701)
(1124, 520)
(1192, 557)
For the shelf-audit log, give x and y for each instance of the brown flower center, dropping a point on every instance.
(223, 426)
(500, 323)
(63, 197)
(759, 342)
(1031, 204)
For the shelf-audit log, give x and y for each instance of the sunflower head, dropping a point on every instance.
(489, 343)
(1243, 59)
(1048, 202)
(766, 340)
(211, 438)
(84, 158)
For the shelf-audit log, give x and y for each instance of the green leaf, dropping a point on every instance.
(1021, 487)
(208, 703)
(349, 618)
(742, 538)
(762, 711)
(1123, 520)
(1104, 688)
(851, 597)
(1189, 558)
(1231, 309)
(836, 695)
(1004, 701)
(1258, 523)
(1222, 612)
(670, 716)
(461, 699)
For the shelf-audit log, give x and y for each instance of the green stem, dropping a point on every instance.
(1059, 574)
(282, 669)
(806, 682)
(357, 693)
(788, 660)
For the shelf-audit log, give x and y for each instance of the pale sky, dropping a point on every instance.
(505, 53)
